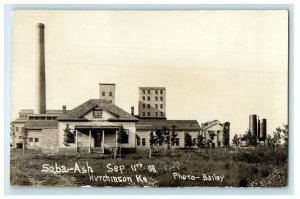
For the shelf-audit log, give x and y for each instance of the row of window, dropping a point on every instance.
(156, 106)
(34, 139)
(17, 129)
(149, 98)
(109, 94)
(156, 114)
(142, 141)
(42, 118)
(156, 91)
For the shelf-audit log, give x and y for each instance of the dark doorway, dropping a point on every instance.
(98, 139)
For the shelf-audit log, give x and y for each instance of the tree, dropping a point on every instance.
(201, 142)
(151, 140)
(276, 139)
(250, 138)
(151, 143)
(24, 137)
(188, 142)
(166, 136)
(212, 136)
(68, 137)
(159, 137)
(235, 141)
(285, 132)
(173, 137)
(12, 134)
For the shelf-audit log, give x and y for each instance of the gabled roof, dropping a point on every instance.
(152, 124)
(78, 112)
(211, 124)
(38, 124)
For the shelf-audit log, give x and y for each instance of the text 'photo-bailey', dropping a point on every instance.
(149, 99)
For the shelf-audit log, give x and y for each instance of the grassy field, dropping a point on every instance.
(258, 167)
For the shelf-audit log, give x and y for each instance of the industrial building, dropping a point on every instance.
(152, 102)
(258, 128)
(95, 123)
(220, 131)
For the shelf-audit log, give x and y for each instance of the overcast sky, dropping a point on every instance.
(220, 65)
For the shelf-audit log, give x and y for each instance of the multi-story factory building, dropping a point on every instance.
(152, 102)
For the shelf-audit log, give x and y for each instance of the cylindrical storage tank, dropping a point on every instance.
(253, 124)
(263, 128)
(41, 79)
(258, 128)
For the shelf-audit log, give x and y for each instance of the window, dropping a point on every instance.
(148, 105)
(148, 113)
(125, 137)
(138, 141)
(156, 98)
(161, 106)
(156, 113)
(148, 98)
(30, 139)
(161, 98)
(144, 114)
(97, 113)
(43, 118)
(156, 92)
(156, 105)
(143, 141)
(161, 114)
(103, 93)
(22, 129)
(143, 98)
(48, 118)
(143, 91)
(177, 142)
(110, 93)
(148, 91)
(161, 91)
(30, 118)
(144, 105)
(17, 128)
(36, 139)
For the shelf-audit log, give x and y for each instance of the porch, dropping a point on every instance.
(94, 139)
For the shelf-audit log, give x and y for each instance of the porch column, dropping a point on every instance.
(102, 144)
(76, 132)
(116, 139)
(90, 132)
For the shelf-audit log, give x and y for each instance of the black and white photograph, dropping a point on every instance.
(149, 98)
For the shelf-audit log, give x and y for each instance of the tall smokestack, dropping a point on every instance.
(41, 89)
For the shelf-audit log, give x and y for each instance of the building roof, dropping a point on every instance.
(78, 112)
(30, 112)
(20, 120)
(152, 124)
(209, 124)
(107, 84)
(38, 124)
(147, 87)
